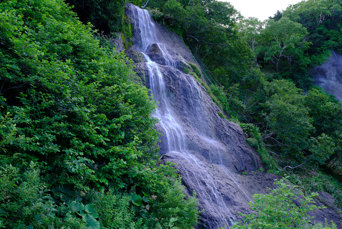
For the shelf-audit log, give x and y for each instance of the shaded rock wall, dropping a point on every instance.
(329, 75)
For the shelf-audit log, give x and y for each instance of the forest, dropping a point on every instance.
(78, 147)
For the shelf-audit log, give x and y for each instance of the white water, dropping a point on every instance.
(175, 131)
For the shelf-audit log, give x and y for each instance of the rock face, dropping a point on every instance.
(329, 76)
(210, 152)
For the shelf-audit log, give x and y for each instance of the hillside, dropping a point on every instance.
(181, 128)
(77, 143)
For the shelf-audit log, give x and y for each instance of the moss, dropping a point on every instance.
(253, 142)
(195, 69)
(186, 68)
(127, 33)
(245, 173)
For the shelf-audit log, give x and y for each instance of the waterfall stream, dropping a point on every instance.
(191, 127)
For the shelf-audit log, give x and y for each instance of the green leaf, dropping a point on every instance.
(91, 222)
(76, 206)
(91, 209)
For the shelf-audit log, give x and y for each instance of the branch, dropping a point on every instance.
(195, 38)
(297, 166)
(145, 4)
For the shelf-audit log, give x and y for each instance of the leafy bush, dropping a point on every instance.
(71, 106)
(284, 207)
(287, 118)
(24, 200)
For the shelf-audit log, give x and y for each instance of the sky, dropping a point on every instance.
(261, 9)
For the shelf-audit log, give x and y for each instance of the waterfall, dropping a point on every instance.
(208, 150)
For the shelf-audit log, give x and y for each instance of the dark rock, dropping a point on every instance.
(329, 212)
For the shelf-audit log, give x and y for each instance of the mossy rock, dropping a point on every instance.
(137, 57)
(127, 33)
(140, 76)
(184, 67)
(195, 69)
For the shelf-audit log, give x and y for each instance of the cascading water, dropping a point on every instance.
(208, 150)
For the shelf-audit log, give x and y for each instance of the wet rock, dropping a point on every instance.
(140, 70)
(329, 75)
(137, 57)
(117, 42)
(209, 151)
(155, 53)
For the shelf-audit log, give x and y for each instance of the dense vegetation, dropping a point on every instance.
(77, 143)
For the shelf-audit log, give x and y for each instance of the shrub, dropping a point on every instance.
(284, 207)
(71, 106)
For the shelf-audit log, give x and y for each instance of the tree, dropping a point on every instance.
(288, 122)
(283, 39)
(326, 113)
(322, 19)
(250, 29)
(277, 16)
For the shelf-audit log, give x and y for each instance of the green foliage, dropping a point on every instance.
(317, 181)
(171, 211)
(327, 119)
(322, 148)
(325, 111)
(283, 45)
(221, 96)
(287, 118)
(115, 211)
(254, 138)
(24, 200)
(106, 15)
(300, 38)
(195, 70)
(323, 21)
(250, 29)
(71, 106)
(127, 33)
(284, 207)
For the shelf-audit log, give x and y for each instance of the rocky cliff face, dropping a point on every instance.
(329, 76)
(210, 152)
